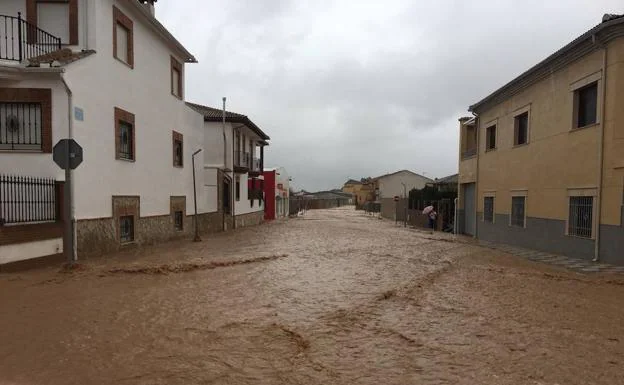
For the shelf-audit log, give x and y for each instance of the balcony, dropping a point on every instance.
(469, 153)
(20, 40)
(242, 162)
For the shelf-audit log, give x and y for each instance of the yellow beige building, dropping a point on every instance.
(542, 158)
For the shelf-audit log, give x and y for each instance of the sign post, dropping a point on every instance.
(67, 154)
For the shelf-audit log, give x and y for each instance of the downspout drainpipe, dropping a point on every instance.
(68, 173)
(601, 154)
(476, 203)
(233, 189)
(224, 158)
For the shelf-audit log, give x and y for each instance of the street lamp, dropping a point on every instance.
(197, 238)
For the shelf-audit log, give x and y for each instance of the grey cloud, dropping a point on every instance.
(352, 89)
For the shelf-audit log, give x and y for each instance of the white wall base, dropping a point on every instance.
(30, 250)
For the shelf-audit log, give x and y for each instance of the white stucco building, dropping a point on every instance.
(107, 74)
(396, 184)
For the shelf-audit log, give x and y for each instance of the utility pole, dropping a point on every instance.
(405, 203)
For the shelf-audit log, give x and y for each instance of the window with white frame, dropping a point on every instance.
(580, 220)
(521, 129)
(586, 105)
(518, 211)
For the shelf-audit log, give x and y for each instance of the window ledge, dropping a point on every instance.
(126, 160)
(490, 149)
(579, 237)
(575, 129)
(128, 244)
(178, 166)
(520, 145)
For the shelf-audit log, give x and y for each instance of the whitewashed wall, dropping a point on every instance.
(144, 91)
(390, 186)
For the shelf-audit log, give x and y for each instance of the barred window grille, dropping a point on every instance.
(488, 209)
(581, 212)
(178, 219)
(517, 211)
(20, 126)
(126, 139)
(126, 229)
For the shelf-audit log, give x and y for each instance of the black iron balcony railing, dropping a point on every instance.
(20, 40)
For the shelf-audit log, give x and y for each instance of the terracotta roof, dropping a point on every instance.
(63, 56)
(216, 115)
(577, 48)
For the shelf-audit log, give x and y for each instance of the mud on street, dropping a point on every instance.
(335, 297)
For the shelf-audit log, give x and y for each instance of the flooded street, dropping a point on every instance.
(335, 297)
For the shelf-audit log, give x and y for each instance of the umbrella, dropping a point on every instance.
(427, 210)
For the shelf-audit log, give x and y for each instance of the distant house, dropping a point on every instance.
(396, 184)
(447, 184)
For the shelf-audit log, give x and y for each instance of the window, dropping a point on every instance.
(237, 188)
(26, 119)
(176, 78)
(488, 209)
(521, 129)
(123, 38)
(586, 105)
(178, 220)
(518, 211)
(124, 135)
(490, 141)
(56, 17)
(178, 149)
(126, 229)
(580, 221)
(20, 126)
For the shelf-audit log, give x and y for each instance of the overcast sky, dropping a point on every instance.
(356, 88)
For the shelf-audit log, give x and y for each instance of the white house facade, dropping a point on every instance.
(238, 174)
(397, 184)
(111, 77)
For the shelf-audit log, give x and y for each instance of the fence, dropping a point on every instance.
(20, 40)
(298, 204)
(27, 199)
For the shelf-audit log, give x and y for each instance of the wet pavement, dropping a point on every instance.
(335, 297)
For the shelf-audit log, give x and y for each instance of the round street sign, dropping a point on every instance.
(67, 153)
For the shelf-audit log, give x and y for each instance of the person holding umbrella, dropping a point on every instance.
(432, 214)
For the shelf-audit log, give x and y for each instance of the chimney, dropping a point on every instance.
(149, 5)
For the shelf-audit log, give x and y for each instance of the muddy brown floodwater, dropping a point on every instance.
(335, 297)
